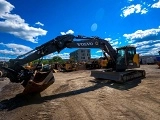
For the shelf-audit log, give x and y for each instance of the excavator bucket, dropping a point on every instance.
(39, 82)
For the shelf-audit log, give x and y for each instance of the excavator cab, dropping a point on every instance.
(127, 58)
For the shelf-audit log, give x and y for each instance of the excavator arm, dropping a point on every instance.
(67, 41)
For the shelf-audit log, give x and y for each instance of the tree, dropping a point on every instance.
(44, 61)
(57, 59)
(35, 61)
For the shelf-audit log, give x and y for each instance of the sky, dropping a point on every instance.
(26, 24)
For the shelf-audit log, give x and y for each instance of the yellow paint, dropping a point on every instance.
(136, 59)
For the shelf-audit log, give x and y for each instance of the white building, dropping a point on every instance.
(148, 59)
(81, 55)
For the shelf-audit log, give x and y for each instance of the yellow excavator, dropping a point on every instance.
(102, 62)
(122, 62)
(29, 66)
(69, 66)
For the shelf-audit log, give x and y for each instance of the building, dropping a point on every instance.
(150, 59)
(81, 55)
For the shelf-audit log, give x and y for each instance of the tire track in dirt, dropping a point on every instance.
(116, 110)
(150, 103)
(76, 110)
(143, 111)
(44, 115)
(149, 109)
(74, 79)
(61, 88)
(47, 110)
(140, 108)
(117, 106)
(132, 113)
(121, 111)
(49, 106)
(86, 111)
(154, 99)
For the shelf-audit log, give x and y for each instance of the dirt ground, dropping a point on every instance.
(77, 96)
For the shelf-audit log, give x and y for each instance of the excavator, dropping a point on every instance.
(68, 66)
(102, 62)
(123, 60)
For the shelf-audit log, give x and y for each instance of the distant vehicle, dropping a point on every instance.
(150, 61)
(158, 59)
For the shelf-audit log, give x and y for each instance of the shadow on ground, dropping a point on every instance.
(23, 100)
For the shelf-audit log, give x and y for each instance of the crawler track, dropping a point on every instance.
(118, 76)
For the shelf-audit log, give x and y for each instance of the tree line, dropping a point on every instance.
(51, 61)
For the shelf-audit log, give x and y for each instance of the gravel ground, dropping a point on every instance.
(77, 96)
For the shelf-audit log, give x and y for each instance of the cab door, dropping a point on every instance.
(121, 59)
(132, 58)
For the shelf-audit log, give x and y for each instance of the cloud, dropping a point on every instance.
(62, 55)
(96, 56)
(113, 42)
(133, 9)
(68, 32)
(138, 8)
(156, 5)
(130, 0)
(67, 55)
(149, 51)
(147, 41)
(108, 39)
(99, 51)
(15, 25)
(153, 33)
(144, 11)
(4, 58)
(39, 23)
(14, 49)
